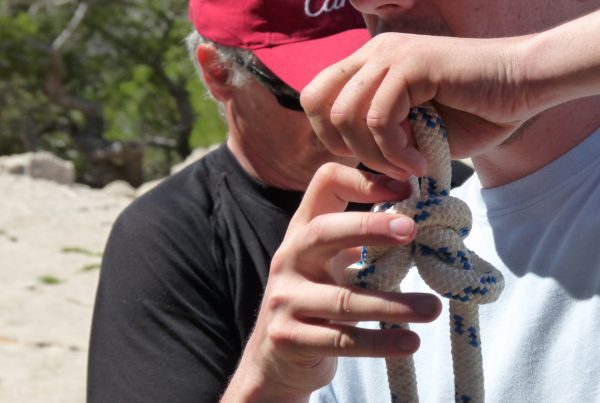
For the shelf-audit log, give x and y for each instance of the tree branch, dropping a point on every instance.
(71, 27)
(160, 142)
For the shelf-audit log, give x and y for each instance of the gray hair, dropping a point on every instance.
(229, 57)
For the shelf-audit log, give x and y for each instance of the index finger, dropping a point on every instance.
(335, 185)
(319, 95)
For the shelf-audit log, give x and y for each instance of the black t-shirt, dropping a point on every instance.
(181, 281)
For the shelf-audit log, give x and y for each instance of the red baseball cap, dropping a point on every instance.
(295, 39)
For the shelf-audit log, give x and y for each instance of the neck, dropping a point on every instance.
(538, 142)
(266, 171)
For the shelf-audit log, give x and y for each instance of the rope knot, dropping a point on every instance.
(441, 258)
(438, 251)
(443, 221)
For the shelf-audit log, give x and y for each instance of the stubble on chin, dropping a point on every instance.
(408, 25)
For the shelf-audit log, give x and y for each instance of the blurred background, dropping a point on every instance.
(106, 84)
(96, 99)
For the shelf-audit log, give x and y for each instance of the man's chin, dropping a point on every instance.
(409, 26)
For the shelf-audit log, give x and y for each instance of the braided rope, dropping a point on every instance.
(442, 260)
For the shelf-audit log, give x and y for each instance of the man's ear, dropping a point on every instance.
(216, 77)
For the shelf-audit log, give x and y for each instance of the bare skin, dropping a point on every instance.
(485, 89)
(275, 145)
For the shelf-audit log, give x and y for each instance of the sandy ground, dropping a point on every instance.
(51, 239)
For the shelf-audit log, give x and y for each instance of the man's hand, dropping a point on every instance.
(306, 318)
(484, 90)
(357, 106)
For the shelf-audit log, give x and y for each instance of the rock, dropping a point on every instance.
(119, 188)
(40, 165)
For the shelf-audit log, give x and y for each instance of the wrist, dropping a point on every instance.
(535, 80)
(560, 64)
(252, 383)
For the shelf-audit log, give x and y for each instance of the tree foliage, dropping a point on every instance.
(107, 84)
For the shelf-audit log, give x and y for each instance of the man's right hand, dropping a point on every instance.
(307, 319)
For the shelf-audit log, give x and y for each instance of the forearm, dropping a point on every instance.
(563, 63)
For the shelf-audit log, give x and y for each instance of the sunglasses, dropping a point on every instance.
(285, 95)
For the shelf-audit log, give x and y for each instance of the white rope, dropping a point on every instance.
(442, 260)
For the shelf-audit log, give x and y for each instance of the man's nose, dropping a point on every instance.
(382, 7)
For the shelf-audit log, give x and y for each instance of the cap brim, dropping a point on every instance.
(298, 63)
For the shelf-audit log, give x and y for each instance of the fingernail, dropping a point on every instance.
(402, 226)
(408, 342)
(425, 306)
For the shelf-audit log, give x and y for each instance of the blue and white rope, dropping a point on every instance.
(442, 260)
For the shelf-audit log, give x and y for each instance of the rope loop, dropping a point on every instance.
(441, 258)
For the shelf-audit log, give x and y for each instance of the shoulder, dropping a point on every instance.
(168, 236)
(174, 218)
(186, 198)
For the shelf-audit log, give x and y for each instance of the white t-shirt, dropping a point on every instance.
(541, 339)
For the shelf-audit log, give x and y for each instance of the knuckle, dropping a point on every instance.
(344, 341)
(376, 120)
(366, 183)
(285, 258)
(340, 116)
(278, 260)
(327, 172)
(328, 175)
(311, 102)
(314, 231)
(288, 337)
(343, 300)
(280, 336)
(277, 302)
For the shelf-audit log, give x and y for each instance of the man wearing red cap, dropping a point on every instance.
(186, 264)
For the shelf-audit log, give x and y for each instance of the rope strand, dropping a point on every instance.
(442, 260)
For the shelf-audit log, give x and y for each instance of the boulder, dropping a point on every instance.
(40, 165)
(119, 188)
